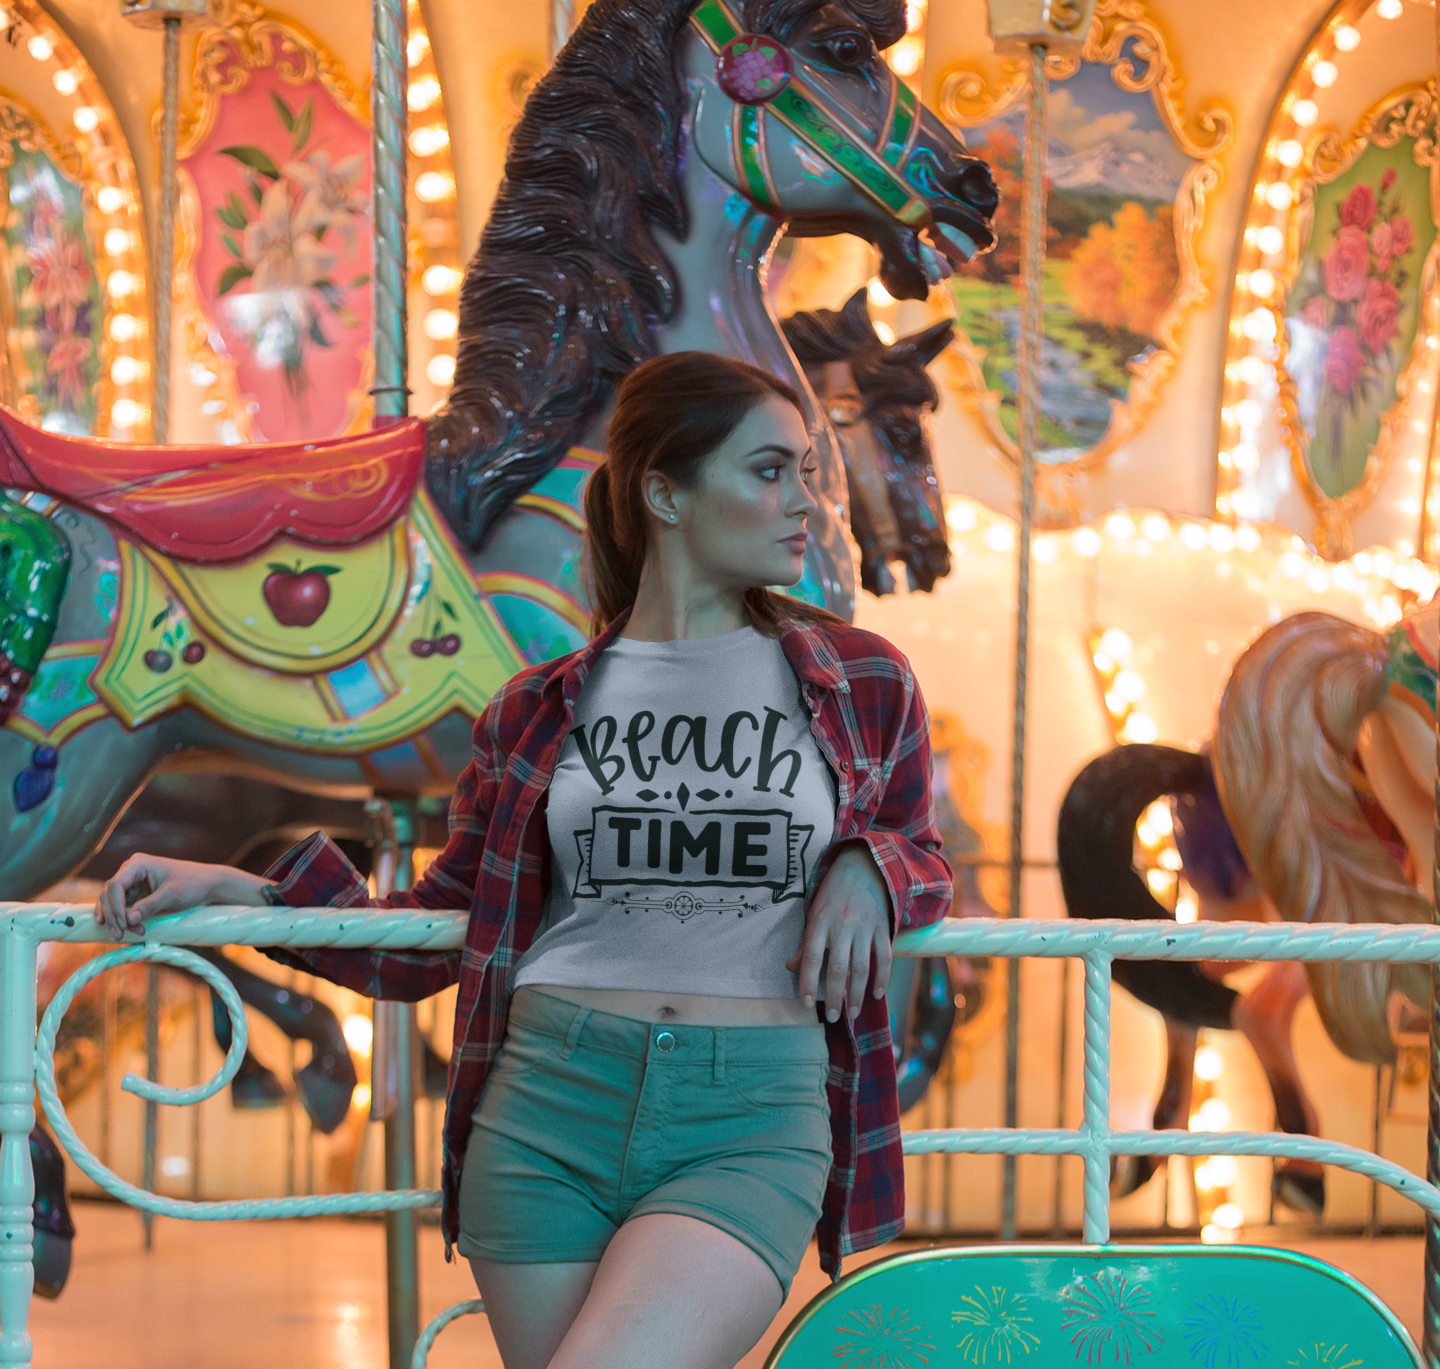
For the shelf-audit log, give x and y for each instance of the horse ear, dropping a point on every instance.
(856, 316)
(925, 346)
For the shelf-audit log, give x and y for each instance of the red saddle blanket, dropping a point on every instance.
(224, 503)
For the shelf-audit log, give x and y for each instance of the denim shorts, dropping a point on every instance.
(589, 1119)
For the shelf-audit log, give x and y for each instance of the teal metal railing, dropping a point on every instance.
(26, 1064)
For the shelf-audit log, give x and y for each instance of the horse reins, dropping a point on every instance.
(759, 74)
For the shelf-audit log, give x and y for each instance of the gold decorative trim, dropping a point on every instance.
(95, 160)
(1407, 112)
(251, 38)
(1121, 35)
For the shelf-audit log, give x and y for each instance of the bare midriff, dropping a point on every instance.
(699, 1010)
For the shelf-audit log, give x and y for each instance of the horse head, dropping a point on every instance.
(656, 116)
(878, 397)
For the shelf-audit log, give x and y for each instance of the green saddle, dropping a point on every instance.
(1043, 1306)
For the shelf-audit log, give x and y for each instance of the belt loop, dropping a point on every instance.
(572, 1037)
(719, 1074)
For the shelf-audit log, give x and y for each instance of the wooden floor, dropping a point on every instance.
(312, 1294)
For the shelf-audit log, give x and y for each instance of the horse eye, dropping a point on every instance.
(850, 49)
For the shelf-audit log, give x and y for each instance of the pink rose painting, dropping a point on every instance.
(1354, 308)
(1347, 265)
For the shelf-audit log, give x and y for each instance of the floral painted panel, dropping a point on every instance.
(1112, 269)
(1354, 308)
(283, 264)
(58, 312)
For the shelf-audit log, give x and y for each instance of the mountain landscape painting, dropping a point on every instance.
(1113, 173)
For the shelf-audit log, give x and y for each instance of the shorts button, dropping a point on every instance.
(665, 1042)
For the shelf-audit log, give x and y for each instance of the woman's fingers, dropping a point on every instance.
(837, 972)
(860, 950)
(883, 960)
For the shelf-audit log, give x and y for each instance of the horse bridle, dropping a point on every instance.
(759, 75)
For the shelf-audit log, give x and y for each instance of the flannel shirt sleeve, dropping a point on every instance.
(902, 836)
(316, 874)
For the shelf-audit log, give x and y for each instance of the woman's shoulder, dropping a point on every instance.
(861, 653)
(512, 707)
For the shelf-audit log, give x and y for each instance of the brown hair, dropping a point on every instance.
(670, 414)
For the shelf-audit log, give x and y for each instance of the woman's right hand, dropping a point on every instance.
(149, 885)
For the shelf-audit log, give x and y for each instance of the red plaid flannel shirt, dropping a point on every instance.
(870, 724)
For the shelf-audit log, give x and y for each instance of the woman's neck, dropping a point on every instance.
(671, 606)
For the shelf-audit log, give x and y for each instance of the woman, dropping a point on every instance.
(685, 850)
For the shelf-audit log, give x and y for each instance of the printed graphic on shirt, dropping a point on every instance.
(630, 849)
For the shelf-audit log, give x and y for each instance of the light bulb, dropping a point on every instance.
(1270, 240)
(416, 48)
(1129, 686)
(1347, 38)
(1291, 152)
(86, 118)
(1229, 1216)
(1156, 528)
(1045, 549)
(428, 139)
(124, 370)
(40, 48)
(1278, 195)
(1262, 283)
(67, 82)
(125, 413)
(120, 284)
(1251, 370)
(118, 241)
(441, 280)
(1086, 541)
(441, 324)
(1305, 112)
(1259, 325)
(1000, 537)
(359, 1032)
(1324, 74)
(123, 327)
(1140, 727)
(1244, 455)
(423, 93)
(1389, 9)
(440, 369)
(1120, 526)
(1192, 536)
(878, 295)
(906, 56)
(110, 199)
(961, 517)
(1209, 1065)
(1116, 643)
(885, 332)
(1247, 539)
(1221, 537)
(432, 186)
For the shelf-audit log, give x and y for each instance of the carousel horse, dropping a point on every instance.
(145, 618)
(878, 396)
(144, 586)
(1314, 803)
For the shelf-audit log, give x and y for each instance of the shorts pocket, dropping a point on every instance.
(523, 1052)
(798, 1087)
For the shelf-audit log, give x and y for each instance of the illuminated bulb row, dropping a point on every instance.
(123, 286)
(433, 187)
(1122, 689)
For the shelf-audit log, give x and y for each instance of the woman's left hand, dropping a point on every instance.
(849, 921)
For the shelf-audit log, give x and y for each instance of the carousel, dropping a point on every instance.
(1118, 326)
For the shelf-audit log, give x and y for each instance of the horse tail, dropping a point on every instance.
(1288, 724)
(1095, 843)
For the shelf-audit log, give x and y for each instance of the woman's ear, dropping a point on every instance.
(659, 498)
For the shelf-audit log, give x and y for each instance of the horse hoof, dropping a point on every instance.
(326, 1086)
(1301, 1190)
(52, 1263)
(254, 1086)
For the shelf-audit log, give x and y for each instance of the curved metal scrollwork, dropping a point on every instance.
(251, 1208)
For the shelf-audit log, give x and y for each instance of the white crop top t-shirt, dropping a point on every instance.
(686, 816)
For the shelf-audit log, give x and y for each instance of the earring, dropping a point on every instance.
(672, 517)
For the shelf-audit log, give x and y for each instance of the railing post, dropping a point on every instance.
(17, 1118)
(1096, 1124)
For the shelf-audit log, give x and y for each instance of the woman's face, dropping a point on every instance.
(744, 522)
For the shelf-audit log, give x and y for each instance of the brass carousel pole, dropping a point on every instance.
(170, 16)
(1031, 28)
(393, 1095)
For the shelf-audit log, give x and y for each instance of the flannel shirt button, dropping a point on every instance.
(844, 765)
(665, 1041)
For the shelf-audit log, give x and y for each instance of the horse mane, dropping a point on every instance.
(1288, 726)
(563, 294)
(893, 374)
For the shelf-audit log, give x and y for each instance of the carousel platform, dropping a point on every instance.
(312, 1293)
